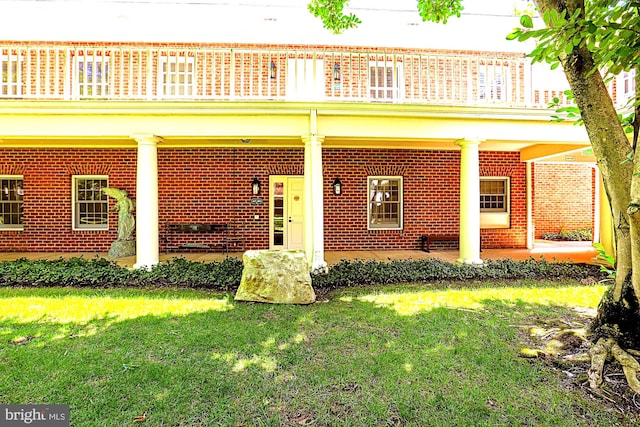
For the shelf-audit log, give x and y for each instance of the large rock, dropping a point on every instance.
(275, 276)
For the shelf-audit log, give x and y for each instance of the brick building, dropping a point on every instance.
(318, 142)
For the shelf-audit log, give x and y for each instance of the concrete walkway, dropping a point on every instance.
(576, 252)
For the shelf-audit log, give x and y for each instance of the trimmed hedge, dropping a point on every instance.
(356, 273)
(102, 273)
(225, 275)
(570, 235)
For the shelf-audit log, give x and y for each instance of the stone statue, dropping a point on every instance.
(125, 245)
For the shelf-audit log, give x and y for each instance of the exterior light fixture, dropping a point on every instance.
(336, 71)
(337, 186)
(255, 186)
(272, 70)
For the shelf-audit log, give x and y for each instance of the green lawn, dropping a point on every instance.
(411, 355)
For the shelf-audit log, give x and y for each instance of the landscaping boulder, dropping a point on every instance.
(275, 276)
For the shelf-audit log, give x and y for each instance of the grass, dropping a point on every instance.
(407, 355)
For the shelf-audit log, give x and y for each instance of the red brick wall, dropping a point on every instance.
(195, 185)
(213, 186)
(431, 197)
(564, 196)
(47, 196)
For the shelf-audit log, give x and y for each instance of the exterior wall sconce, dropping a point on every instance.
(255, 186)
(337, 186)
(272, 70)
(336, 71)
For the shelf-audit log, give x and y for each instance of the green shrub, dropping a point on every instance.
(356, 273)
(225, 275)
(179, 272)
(575, 235)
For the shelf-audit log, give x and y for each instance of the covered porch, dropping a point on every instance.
(575, 252)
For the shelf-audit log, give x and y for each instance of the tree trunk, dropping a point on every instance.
(618, 315)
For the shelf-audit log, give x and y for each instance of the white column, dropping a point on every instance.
(314, 196)
(314, 203)
(308, 202)
(606, 234)
(147, 234)
(469, 202)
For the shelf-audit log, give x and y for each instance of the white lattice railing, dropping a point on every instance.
(161, 73)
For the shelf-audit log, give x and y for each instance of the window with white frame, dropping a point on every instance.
(385, 202)
(384, 81)
(90, 203)
(11, 204)
(11, 79)
(494, 194)
(492, 84)
(91, 76)
(177, 76)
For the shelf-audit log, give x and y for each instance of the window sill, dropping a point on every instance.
(495, 220)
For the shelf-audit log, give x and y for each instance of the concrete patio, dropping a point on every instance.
(576, 252)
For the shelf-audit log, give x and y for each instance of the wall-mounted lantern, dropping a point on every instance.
(336, 71)
(272, 70)
(337, 186)
(255, 186)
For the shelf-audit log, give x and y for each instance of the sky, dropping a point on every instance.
(387, 23)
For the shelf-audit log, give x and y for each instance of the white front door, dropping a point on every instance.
(286, 213)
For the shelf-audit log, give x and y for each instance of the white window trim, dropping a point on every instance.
(492, 219)
(490, 74)
(74, 192)
(9, 84)
(13, 227)
(397, 90)
(92, 59)
(163, 71)
(400, 225)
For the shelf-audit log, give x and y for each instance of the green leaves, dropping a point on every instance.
(333, 16)
(360, 273)
(225, 275)
(331, 12)
(439, 10)
(100, 273)
(526, 21)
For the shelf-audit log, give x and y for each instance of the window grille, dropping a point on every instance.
(384, 81)
(11, 79)
(385, 202)
(92, 76)
(177, 77)
(11, 202)
(91, 205)
(494, 194)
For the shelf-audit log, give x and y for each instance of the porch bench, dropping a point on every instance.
(215, 229)
(427, 239)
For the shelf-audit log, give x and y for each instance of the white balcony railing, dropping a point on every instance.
(52, 72)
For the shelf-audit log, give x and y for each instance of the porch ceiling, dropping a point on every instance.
(283, 125)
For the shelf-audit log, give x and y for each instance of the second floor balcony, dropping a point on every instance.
(112, 72)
